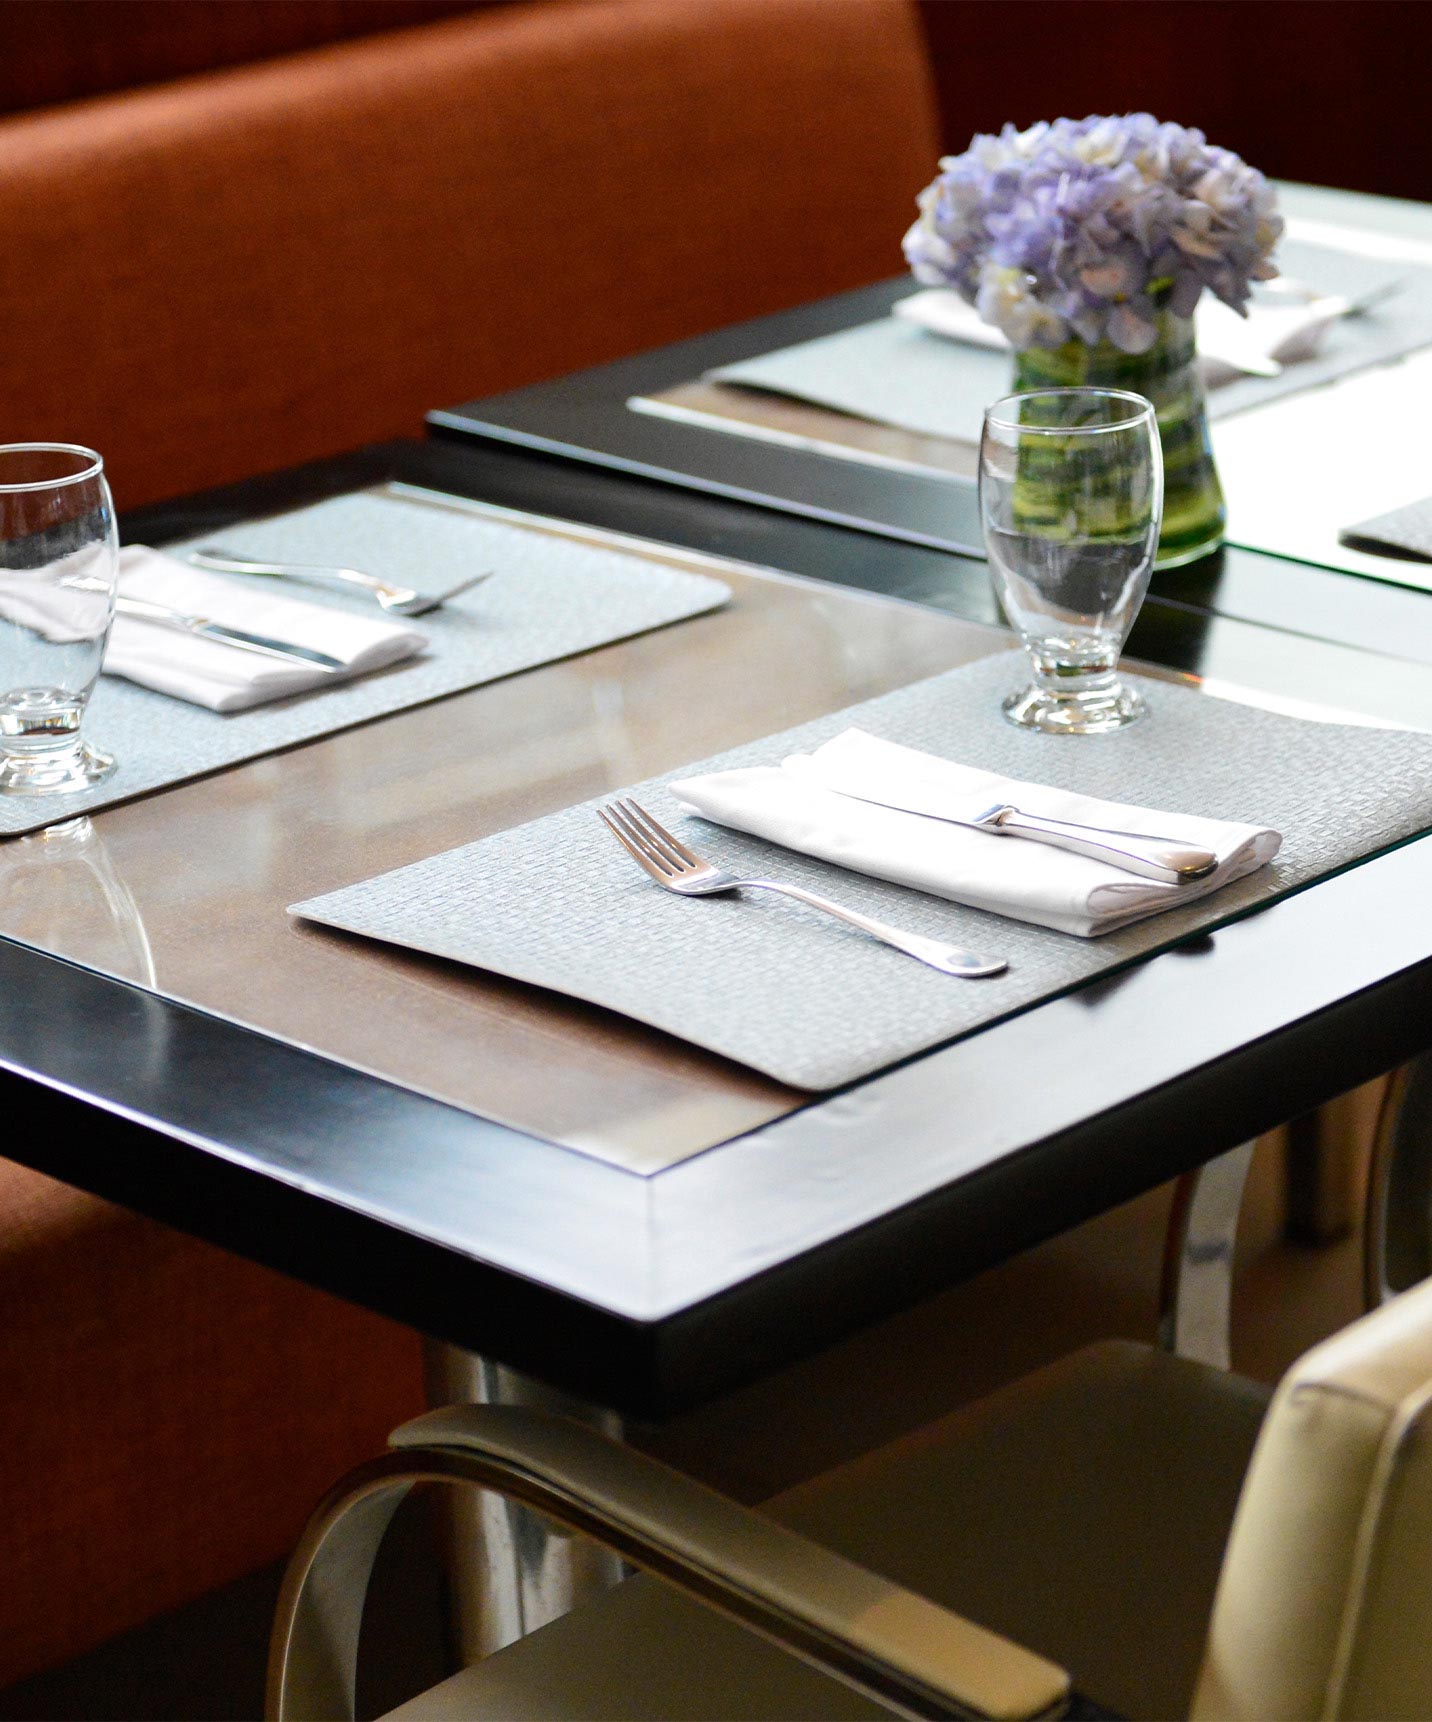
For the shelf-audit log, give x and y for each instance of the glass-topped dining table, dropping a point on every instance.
(620, 1214)
(634, 1224)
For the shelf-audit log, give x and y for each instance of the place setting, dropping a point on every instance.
(1025, 239)
(928, 366)
(824, 902)
(125, 670)
(1110, 251)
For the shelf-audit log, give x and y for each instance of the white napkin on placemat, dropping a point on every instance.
(228, 678)
(1271, 336)
(797, 804)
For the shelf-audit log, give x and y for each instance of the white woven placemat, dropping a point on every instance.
(549, 597)
(792, 993)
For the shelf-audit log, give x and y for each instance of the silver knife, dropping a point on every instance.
(287, 650)
(1165, 858)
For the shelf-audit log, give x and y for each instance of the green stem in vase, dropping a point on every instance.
(1168, 375)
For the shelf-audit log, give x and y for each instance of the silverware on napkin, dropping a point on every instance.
(291, 653)
(1152, 857)
(397, 600)
(676, 868)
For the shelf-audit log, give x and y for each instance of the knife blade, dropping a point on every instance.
(1168, 859)
(206, 629)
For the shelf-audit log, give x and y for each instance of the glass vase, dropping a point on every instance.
(1168, 375)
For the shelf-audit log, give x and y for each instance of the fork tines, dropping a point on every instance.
(646, 840)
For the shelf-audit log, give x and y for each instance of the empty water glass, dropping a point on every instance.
(58, 558)
(1071, 495)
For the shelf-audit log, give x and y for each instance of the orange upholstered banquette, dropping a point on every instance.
(228, 274)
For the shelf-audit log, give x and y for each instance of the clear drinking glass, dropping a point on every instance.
(58, 557)
(1071, 495)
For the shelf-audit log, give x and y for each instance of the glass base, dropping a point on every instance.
(54, 771)
(1098, 706)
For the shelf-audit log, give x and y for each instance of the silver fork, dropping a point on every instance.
(677, 868)
(398, 600)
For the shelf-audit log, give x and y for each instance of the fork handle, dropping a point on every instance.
(319, 573)
(949, 959)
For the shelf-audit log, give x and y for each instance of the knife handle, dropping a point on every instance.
(1162, 858)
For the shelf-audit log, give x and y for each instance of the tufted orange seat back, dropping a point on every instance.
(231, 273)
(170, 1415)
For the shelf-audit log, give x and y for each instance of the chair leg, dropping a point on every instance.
(1197, 1290)
(511, 1571)
(1398, 1240)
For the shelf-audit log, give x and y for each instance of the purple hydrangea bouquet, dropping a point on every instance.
(1088, 243)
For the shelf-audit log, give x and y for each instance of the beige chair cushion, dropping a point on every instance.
(1325, 1602)
(1082, 1511)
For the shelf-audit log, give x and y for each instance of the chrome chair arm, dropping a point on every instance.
(898, 1648)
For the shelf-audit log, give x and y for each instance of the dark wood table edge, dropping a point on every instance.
(573, 417)
(115, 1090)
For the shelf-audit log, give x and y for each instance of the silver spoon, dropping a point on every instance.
(397, 600)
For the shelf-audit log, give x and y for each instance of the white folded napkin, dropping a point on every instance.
(63, 601)
(797, 804)
(1271, 336)
(228, 678)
